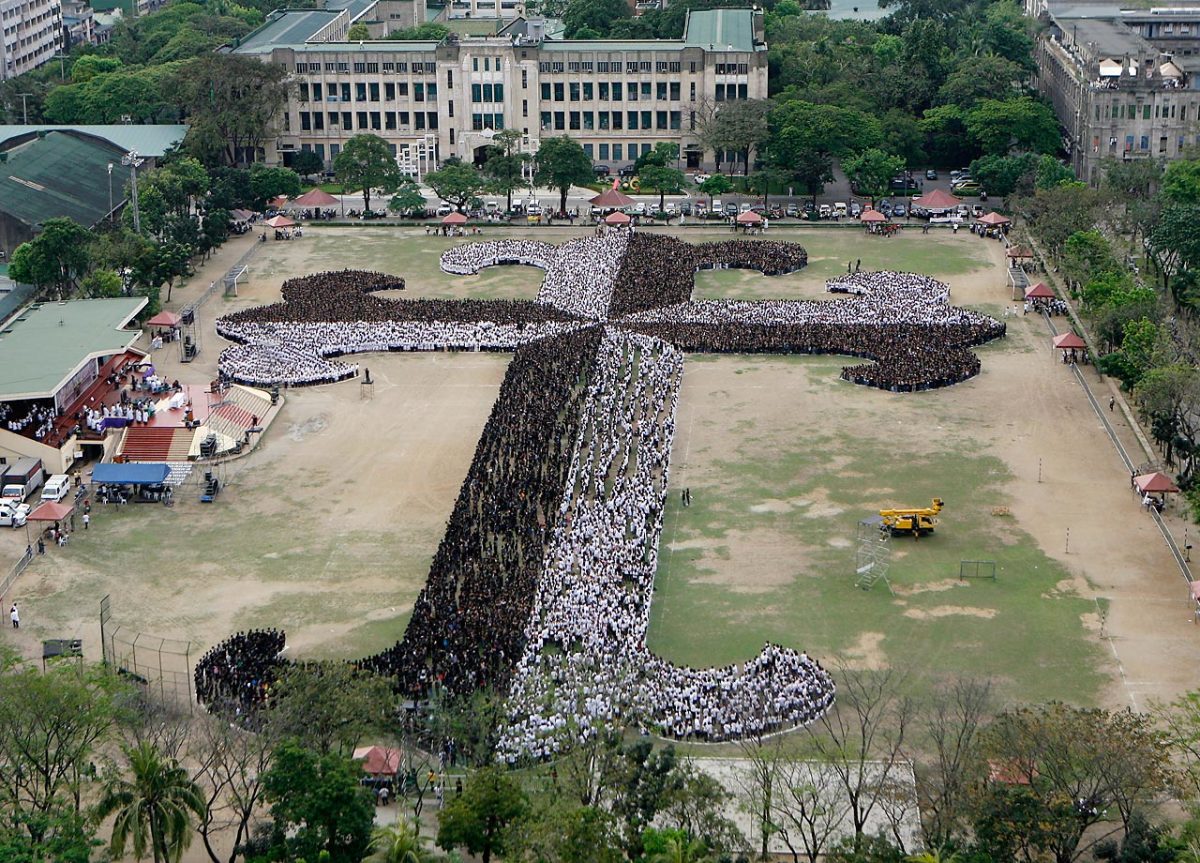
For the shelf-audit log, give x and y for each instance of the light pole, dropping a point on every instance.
(25, 107)
(110, 203)
(134, 161)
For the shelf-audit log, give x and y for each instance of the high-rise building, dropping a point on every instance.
(32, 32)
(1123, 81)
(432, 100)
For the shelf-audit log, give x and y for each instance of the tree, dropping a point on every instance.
(267, 183)
(456, 182)
(366, 162)
(328, 707)
(505, 165)
(740, 126)
(101, 283)
(51, 725)
(1174, 244)
(306, 163)
(477, 819)
(318, 804)
(231, 763)
(863, 739)
(871, 171)
(427, 32)
(673, 846)
(977, 78)
(1049, 172)
(1055, 214)
(358, 33)
(398, 843)
(1000, 126)
(717, 184)
(155, 808)
(1003, 175)
(667, 180)
(408, 199)
(91, 65)
(1070, 767)
(1181, 182)
(806, 138)
(230, 102)
(594, 15)
(57, 257)
(561, 163)
(945, 779)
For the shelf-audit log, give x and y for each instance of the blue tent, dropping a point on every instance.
(132, 473)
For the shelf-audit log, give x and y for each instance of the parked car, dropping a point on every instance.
(931, 174)
(840, 209)
(792, 211)
(855, 209)
(444, 209)
(13, 515)
(638, 209)
(899, 212)
(977, 210)
(533, 208)
(671, 209)
(686, 208)
(966, 187)
(601, 170)
(699, 177)
(825, 211)
(731, 209)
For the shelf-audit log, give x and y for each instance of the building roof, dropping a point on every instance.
(47, 343)
(152, 140)
(286, 28)
(720, 29)
(1104, 38)
(58, 175)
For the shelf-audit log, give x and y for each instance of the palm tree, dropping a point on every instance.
(680, 849)
(156, 807)
(398, 843)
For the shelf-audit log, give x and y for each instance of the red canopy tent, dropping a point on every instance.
(315, 198)
(1148, 483)
(279, 222)
(993, 219)
(163, 319)
(938, 199)
(612, 199)
(277, 203)
(454, 219)
(379, 760)
(1015, 252)
(1069, 341)
(749, 218)
(1039, 292)
(871, 216)
(617, 218)
(50, 511)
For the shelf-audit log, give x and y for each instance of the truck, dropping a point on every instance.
(918, 521)
(21, 479)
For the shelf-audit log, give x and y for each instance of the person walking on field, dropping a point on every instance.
(15, 616)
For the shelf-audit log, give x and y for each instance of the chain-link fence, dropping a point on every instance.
(160, 667)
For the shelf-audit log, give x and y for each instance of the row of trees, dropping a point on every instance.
(1145, 323)
(80, 749)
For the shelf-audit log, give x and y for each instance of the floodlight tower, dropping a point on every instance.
(133, 160)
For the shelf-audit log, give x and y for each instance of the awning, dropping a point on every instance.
(279, 222)
(749, 218)
(1068, 341)
(139, 473)
(1155, 483)
(617, 218)
(938, 199)
(872, 216)
(993, 218)
(50, 511)
(163, 319)
(454, 219)
(379, 760)
(315, 198)
(611, 199)
(1039, 292)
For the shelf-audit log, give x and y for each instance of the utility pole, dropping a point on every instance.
(134, 161)
(25, 107)
(110, 201)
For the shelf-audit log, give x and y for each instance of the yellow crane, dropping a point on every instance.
(917, 521)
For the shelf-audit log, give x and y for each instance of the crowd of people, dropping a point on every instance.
(585, 664)
(541, 585)
(37, 421)
(236, 675)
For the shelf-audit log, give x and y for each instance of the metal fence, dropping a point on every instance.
(18, 568)
(160, 667)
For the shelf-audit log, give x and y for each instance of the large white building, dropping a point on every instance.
(32, 32)
(432, 100)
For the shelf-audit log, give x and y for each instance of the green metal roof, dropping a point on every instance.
(285, 28)
(720, 30)
(46, 344)
(383, 47)
(593, 45)
(150, 140)
(58, 175)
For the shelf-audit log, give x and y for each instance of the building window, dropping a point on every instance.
(524, 107)
(450, 108)
(587, 150)
(616, 88)
(389, 92)
(618, 152)
(574, 120)
(588, 91)
(449, 79)
(603, 91)
(632, 117)
(660, 119)
(602, 66)
(660, 91)
(402, 89)
(372, 68)
(373, 91)
(305, 121)
(573, 91)
(474, 64)
(476, 92)
(545, 120)
(674, 91)
(559, 92)
(560, 121)
(304, 91)
(418, 92)
(524, 79)
(604, 152)
(360, 68)
(389, 67)
(362, 119)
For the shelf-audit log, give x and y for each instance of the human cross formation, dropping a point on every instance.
(542, 583)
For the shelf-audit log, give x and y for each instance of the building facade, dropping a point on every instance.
(31, 33)
(433, 100)
(1123, 82)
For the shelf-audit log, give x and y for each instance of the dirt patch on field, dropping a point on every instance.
(747, 562)
(948, 611)
(928, 587)
(865, 654)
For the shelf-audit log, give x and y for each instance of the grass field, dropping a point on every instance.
(327, 530)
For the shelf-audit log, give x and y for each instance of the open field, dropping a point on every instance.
(328, 527)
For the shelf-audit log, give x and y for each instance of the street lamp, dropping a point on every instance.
(133, 160)
(110, 203)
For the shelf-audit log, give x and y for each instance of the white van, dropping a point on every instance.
(840, 209)
(56, 487)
